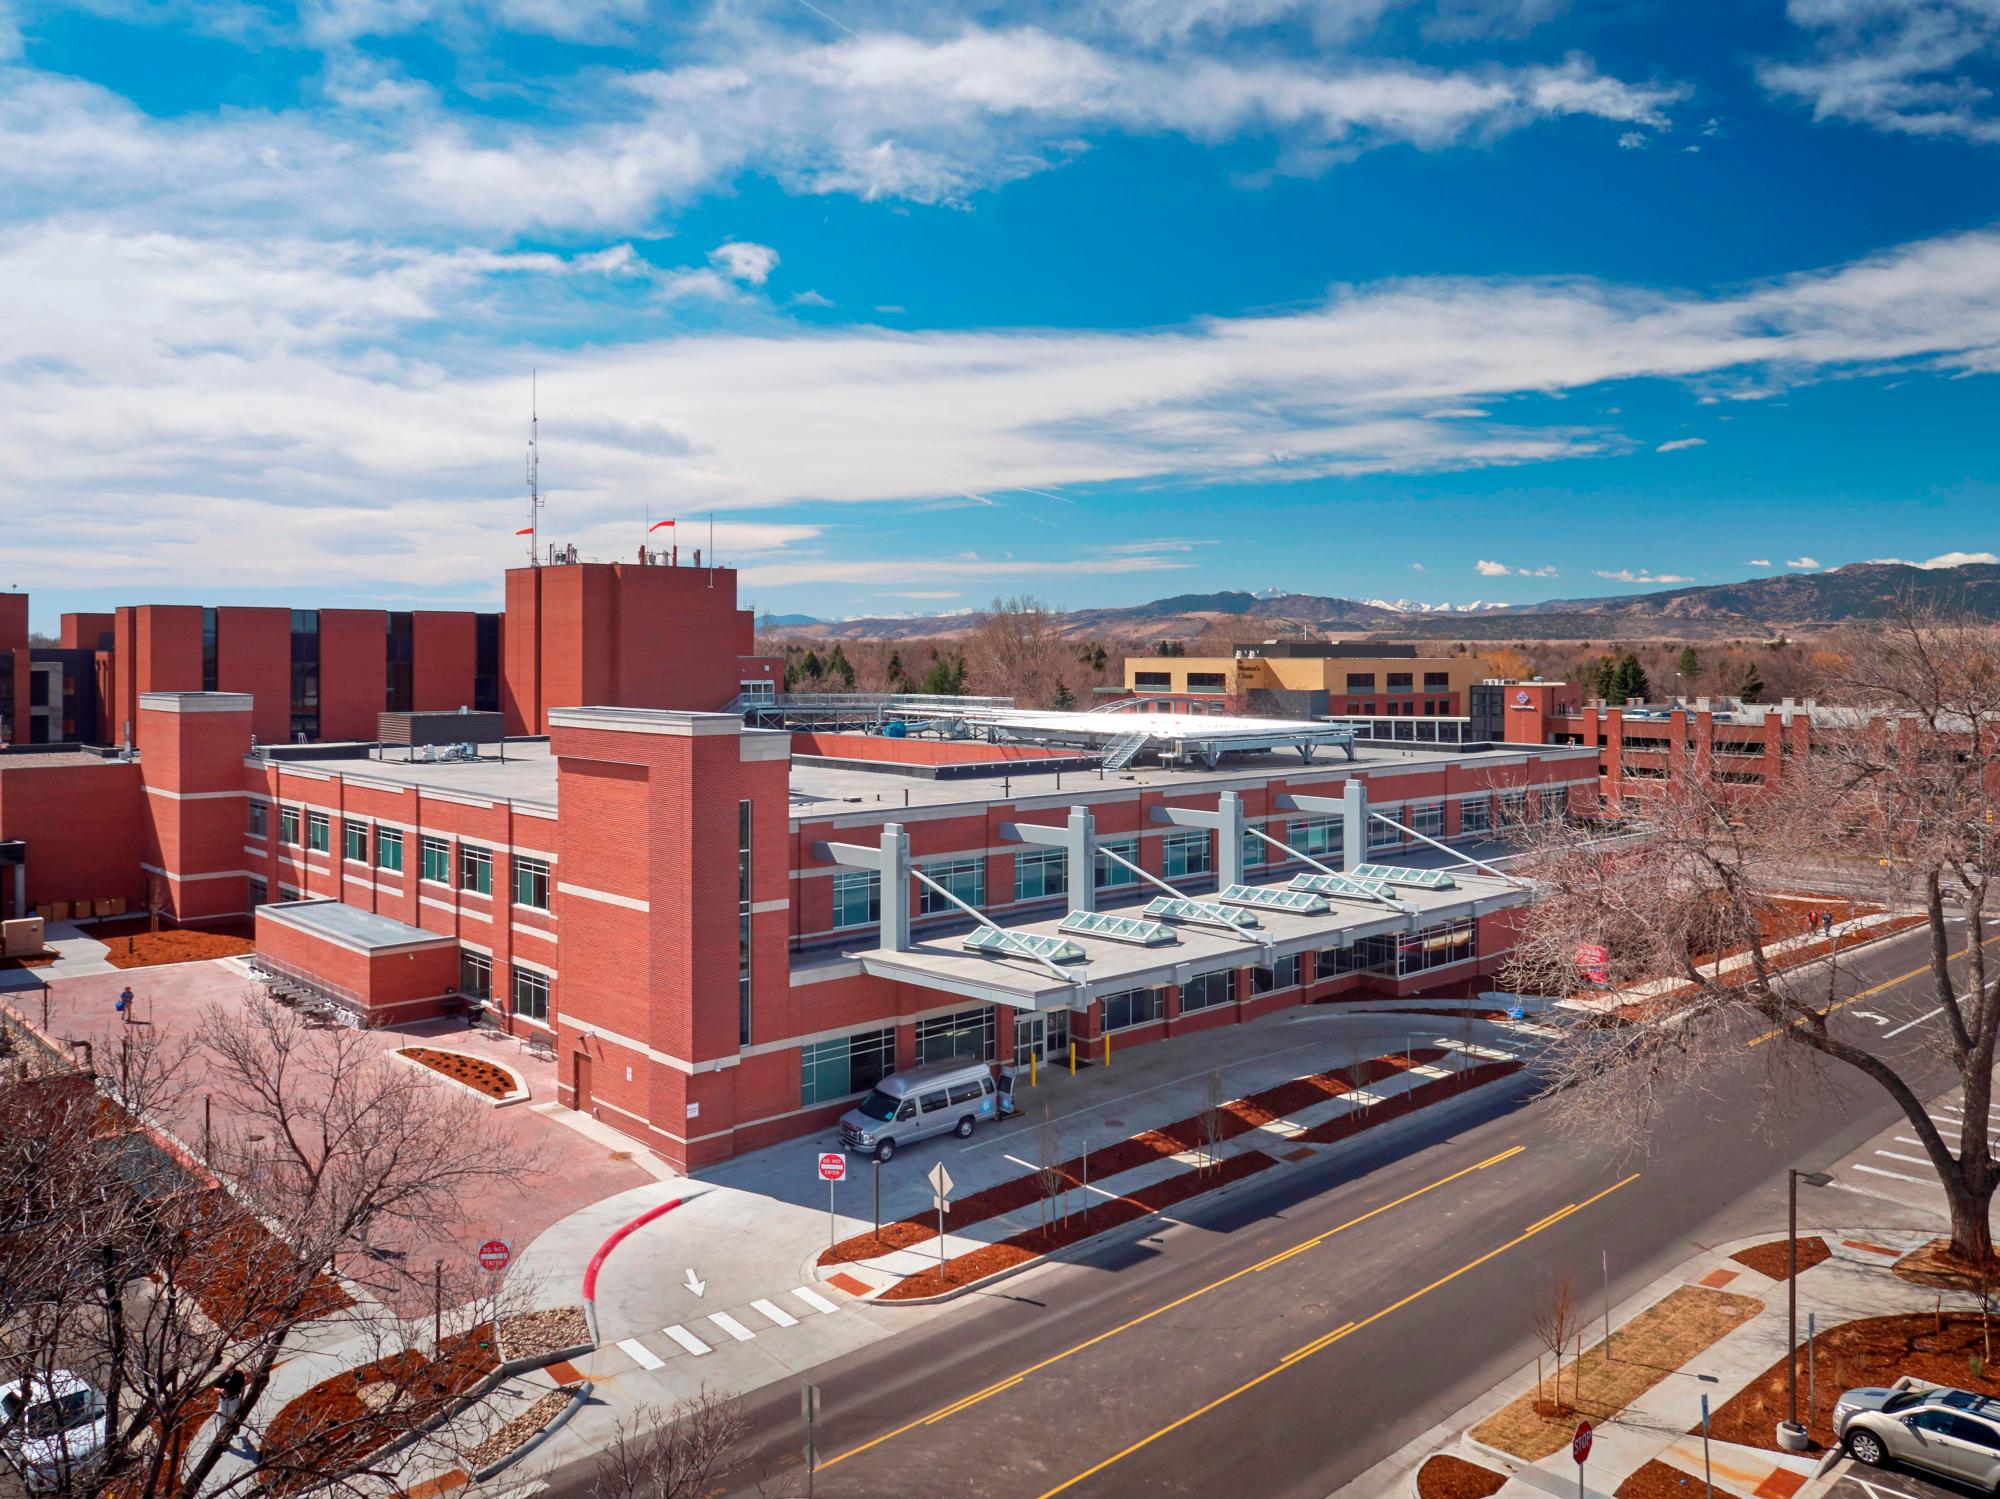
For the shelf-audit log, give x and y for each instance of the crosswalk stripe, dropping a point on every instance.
(687, 1340)
(814, 1300)
(1914, 1160)
(640, 1354)
(776, 1313)
(731, 1326)
(1898, 1175)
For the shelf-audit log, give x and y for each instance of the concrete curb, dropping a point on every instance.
(501, 1464)
(1146, 1221)
(618, 1236)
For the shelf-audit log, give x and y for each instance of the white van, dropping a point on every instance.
(910, 1106)
(52, 1428)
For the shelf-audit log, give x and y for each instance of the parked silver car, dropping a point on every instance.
(1952, 1433)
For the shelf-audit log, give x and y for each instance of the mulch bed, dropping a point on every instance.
(340, 1422)
(134, 944)
(523, 1427)
(1873, 1351)
(40, 959)
(1772, 1259)
(1935, 1266)
(1658, 1480)
(242, 1276)
(1104, 1214)
(475, 1072)
(1239, 1116)
(1448, 1477)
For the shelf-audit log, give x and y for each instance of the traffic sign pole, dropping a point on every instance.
(1579, 1448)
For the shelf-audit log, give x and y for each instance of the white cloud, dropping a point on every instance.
(1502, 570)
(1680, 443)
(1944, 559)
(1911, 67)
(1808, 563)
(743, 261)
(927, 569)
(1642, 575)
(1634, 140)
(1492, 569)
(1416, 567)
(1758, 562)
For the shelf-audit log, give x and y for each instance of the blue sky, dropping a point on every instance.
(1104, 301)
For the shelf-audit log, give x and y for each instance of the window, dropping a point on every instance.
(743, 923)
(857, 898)
(1316, 837)
(1514, 807)
(531, 883)
(305, 674)
(1110, 874)
(531, 995)
(1361, 681)
(1382, 834)
(319, 832)
(354, 840)
(288, 825)
(967, 1092)
(1399, 681)
(475, 869)
(1186, 853)
(389, 849)
(259, 892)
(1041, 872)
(1253, 849)
(400, 655)
(486, 663)
(436, 855)
(1437, 681)
(1327, 963)
(1428, 818)
(260, 819)
(1133, 1007)
(1282, 974)
(475, 974)
(1209, 990)
(761, 690)
(964, 1033)
(844, 1066)
(1414, 952)
(1208, 681)
(1475, 815)
(964, 878)
(1152, 681)
(210, 670)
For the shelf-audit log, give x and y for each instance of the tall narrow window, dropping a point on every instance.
(210, 673)
(402, 655)
(486, 663)
(305, 674)
(743, 923)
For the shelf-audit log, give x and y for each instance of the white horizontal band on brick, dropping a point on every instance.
(531, 931)
(189, 879)
(673, 722)
(603, 897)
(679, 1064)
(194, 796)
(762, 907)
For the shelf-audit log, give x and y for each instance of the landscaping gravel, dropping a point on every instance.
(523, 1427)
(544, 1333)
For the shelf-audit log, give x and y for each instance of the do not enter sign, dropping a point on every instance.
(1579, 1445)
(493, 1256)
(832, 1165)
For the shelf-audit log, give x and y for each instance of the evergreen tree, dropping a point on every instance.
(1604, 679)
(946, 677)
(899, 680)
(1752, 686)
(1064, 700)
(838, 666)
(1629, 681)
(1689, 665)
(810, 667)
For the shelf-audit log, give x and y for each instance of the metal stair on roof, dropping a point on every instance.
(1119, 753)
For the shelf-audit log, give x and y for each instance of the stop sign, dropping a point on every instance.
(493, 1256)
(1579, 1445)
(832, 1165)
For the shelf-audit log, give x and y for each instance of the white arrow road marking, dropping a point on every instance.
(640, 1354)
(776, 1313)
(1871, 1015)
(687, 1340)
(694, 1283)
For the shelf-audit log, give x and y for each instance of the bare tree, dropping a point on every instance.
(125, 1256)
(1210, 1119)
(1049, 1174)
(671, 1454)
(1889, 806)
(1554, 1320)
(1017, 649)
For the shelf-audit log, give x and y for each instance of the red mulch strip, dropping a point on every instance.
(1658, 1480)
(1421, 1096)
(1103, 1214)
(134, 943)
(1873, 1351)
(475, 1072)
(1448, 1477)
(243, 1276)
(1239, 1116)
(332, 1429)
(1772, 1259)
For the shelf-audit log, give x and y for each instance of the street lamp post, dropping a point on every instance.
(1792, 1436)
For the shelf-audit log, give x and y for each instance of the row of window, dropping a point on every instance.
(475, 864)
(530, 990)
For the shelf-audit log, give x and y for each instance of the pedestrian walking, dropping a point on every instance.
(1827, 918)
(125, 1004)
(231, 1386)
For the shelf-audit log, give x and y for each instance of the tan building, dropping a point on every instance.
(1305, 678)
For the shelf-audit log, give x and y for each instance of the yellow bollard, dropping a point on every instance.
(1072, 1058)
(1107, 1048)
(1031, 1069)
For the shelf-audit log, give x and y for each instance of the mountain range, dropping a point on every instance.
(1794, 603)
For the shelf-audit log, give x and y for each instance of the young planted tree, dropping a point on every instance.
(1050, 1178)
(1211, 1118)
(1554, 1319)
(1890, 807)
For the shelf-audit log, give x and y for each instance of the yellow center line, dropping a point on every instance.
(1298, 1356)
(1855, 999)
(1179, 1301)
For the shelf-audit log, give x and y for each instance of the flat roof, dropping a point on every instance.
(42, 760)
(350, 926)
(528, 774)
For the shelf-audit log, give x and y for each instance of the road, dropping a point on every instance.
(1285, 1340)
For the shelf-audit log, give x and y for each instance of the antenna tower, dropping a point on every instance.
(534, 471)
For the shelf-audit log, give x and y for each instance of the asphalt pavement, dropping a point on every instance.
(1285, 1340)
